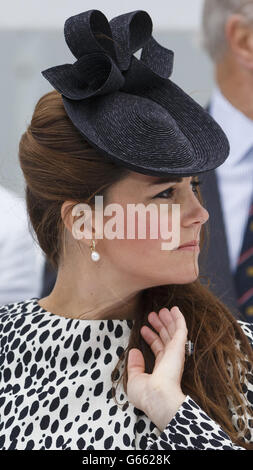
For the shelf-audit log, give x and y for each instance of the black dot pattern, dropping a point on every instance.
(56, 390)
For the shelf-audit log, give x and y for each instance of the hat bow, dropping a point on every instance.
(105, 56)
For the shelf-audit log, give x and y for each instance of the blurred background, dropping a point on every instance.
(32, 39)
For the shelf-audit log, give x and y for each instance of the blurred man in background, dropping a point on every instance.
(21, 259)
(228, 190)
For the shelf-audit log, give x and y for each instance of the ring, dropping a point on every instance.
(189, 347)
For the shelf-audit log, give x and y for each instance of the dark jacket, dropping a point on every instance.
(214, 263)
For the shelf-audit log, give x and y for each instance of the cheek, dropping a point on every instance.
(145, 249)
(148, 227)
(144, 258)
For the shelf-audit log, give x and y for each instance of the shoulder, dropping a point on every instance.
(10, 198)
(6, 194)
(14, 310)
(247, 327)
(13, 211)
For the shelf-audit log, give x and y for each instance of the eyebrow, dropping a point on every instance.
(166, 179)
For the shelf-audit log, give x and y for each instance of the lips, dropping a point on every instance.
(192, 243)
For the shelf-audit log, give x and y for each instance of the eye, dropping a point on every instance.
(170, 191)
(195, 185)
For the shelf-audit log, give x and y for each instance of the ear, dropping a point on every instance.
(75, 221)
(239, 36)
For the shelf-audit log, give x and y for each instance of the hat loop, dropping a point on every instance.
(107, 65)
(87, 32)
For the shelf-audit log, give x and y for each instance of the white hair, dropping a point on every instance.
(214, 18)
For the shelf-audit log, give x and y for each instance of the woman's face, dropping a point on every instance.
(143, 260)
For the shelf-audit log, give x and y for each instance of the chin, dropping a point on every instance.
(179, 280)
(187, 279)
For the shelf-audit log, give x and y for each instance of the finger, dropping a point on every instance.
(135, 363)
(153, 340)
(178, 342)
(177, 325)
(155, 321)
(168, 321)
(179, 318)
(180, 337)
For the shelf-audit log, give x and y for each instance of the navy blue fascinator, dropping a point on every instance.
(127, 108)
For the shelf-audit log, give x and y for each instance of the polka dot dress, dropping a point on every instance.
(56, 389)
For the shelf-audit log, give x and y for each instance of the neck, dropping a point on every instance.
(236, 85)
(81, 296)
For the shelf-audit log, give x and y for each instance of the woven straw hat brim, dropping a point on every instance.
(162, 132)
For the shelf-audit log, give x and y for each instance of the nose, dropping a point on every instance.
(195, 213)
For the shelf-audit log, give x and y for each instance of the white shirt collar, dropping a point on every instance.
(237, 126)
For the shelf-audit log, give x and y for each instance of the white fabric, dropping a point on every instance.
(21, 259)
(235, 175)
(58, 395)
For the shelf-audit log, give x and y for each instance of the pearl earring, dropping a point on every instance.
(95, 256)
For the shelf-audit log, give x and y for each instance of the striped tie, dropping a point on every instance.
(244, 271)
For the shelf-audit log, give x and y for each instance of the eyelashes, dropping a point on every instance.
(171, 191)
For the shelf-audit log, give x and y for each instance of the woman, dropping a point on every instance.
(122, 313)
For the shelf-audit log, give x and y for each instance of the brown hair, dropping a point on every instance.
(59, 165)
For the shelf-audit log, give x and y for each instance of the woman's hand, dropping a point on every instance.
(159, 394)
